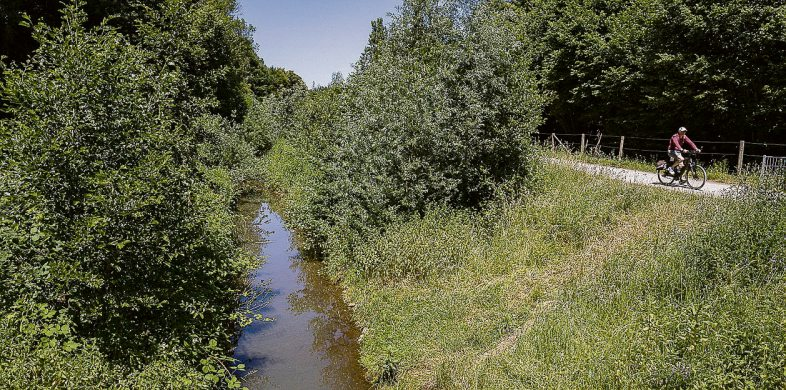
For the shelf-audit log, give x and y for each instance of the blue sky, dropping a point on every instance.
(314, 38)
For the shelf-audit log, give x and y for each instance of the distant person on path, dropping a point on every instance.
(676, 149)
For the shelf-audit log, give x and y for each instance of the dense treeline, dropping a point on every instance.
(646, 67)
(202, 38)
(121, 154)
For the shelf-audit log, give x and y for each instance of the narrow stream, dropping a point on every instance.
(312, 342)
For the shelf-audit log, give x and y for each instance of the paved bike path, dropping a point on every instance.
(643, 178)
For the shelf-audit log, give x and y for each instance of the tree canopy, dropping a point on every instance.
(650, 66)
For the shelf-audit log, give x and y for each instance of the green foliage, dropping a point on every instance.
(377, 37)
(734, 339)
(40, 350)
(440, 114)
(647, 66)
(266, 81)
(227, 150)
(203, 39)
(116, 247)
(438, 117)
(272, 117)
(16, 42)
(211, 47)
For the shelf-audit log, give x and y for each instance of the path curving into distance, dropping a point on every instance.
(644, 178)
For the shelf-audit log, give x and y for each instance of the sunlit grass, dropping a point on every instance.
(441, 329)
(588, 282)
(584, 285)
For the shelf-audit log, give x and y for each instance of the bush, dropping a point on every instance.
(107, 218)
(40, 350)
(440, 114)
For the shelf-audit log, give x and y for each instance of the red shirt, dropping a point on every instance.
(676, 142)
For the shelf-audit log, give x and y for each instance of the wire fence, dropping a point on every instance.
(738, 155)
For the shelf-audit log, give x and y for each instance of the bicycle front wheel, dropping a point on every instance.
(696, 177)
(663, 178)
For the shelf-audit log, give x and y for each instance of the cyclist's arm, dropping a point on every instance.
(691, 144)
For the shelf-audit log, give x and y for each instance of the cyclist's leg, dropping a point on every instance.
(678, 159)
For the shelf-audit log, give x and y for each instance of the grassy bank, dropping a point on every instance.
(587, 282)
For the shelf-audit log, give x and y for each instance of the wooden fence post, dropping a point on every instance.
(553, 144)
(582, 143)
(622, 143)
(739, 158)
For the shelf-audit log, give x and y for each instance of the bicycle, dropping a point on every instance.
(691, 173)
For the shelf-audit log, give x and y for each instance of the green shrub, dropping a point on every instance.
(40, 350)
(109, 217)
(440, 116)
(260, 126)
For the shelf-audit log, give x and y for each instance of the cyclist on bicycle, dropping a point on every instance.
(676, 148)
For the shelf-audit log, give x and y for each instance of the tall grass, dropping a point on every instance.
(589, 284)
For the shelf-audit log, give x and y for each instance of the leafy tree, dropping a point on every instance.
(648, 66)
(201, 38)
(105, 216)
(376, 38)
(439, 111)
(208, 45)
(266, 81)
(16, 42)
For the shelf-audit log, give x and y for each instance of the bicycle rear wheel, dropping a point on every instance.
(696, 177)
(663, 178)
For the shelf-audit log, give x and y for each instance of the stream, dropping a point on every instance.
(311, 342)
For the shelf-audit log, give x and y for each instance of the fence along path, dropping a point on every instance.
(617, 146)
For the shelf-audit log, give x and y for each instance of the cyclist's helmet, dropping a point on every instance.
(682, 130)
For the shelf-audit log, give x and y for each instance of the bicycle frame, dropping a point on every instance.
(691, 172)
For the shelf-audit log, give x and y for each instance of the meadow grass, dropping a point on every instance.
(586, 282)
(584, 285)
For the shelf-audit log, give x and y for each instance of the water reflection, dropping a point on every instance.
(312, 344)
(335, 335)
